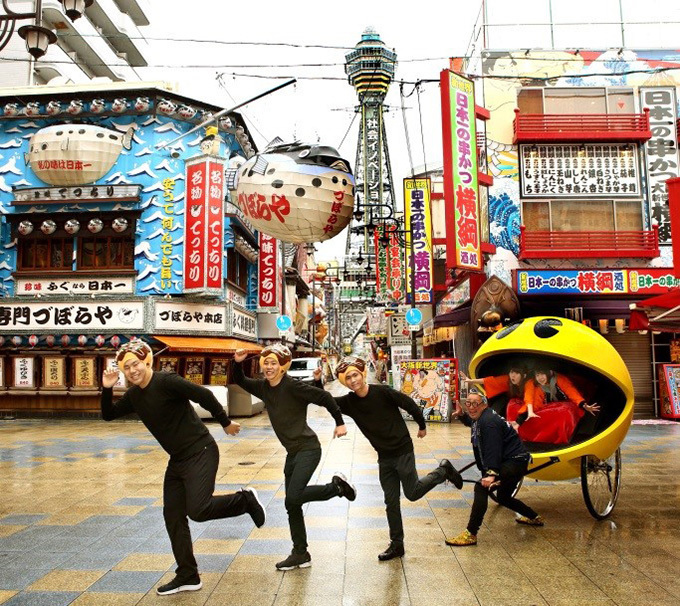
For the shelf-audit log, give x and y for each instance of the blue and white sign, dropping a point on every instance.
(284, 323)
(414, 316)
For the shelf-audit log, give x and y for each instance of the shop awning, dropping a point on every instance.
(208, 344)
(660, 313)
(458, 316)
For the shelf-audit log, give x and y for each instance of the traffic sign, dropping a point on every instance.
(414, 316)
(283, 323)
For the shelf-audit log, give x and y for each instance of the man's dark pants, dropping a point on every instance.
(188, 491)
(298, 471)
(401, 471)
(511, 473)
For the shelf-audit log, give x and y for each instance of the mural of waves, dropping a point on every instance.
(504, 222)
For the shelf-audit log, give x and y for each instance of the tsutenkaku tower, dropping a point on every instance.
(370, 70)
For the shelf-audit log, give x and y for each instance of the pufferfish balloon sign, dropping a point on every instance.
(297, 192)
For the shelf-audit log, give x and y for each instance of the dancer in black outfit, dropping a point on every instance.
(376, 411)
(503, 460)
(286, 400)
(161, 400)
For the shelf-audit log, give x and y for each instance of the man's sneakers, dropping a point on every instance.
(394, 550)
(346, 489)
(463, 539)
(177, 585)
(254, 507)
(452, 474)
(537, 521)
(295, 560)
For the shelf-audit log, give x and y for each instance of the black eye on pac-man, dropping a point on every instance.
(544, 329)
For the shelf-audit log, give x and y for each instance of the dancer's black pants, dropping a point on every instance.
(188, 493)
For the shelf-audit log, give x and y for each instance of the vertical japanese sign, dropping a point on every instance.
(167, 224)
(215, 225)
(395, 264)
(661, 154)
(460, 172)
(381, 266)
(23, 372)
(372, 130)
(204, 230)
(195, 222)
(268, 274)
(419, 238)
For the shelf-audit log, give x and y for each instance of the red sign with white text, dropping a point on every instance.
(204, 229)
(215, 224)
(268, 274)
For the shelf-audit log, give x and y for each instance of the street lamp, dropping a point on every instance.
(37, 37)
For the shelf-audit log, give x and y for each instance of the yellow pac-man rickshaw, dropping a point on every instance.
(575, 350)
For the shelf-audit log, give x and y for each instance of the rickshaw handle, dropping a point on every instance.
(548, 463)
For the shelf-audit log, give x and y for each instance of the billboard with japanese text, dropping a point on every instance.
(460, 172)
(419, 239)
(268, 274)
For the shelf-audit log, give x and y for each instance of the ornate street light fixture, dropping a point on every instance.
(37, 37)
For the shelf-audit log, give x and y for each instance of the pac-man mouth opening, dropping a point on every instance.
(593, 385)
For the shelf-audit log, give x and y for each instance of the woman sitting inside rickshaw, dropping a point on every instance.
(504, 390)
(552, 409)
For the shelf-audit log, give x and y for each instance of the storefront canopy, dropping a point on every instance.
(208, 344)
(660, 313)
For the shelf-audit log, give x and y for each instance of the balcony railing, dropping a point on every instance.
(588, 244)
(581, 127)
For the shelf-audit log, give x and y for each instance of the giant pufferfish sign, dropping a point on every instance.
(297, 192)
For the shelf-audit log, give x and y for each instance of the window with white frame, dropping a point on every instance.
(576, 100)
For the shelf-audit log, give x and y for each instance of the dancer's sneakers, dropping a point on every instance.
(537, 521)
(177, 585)
(394, 550)
(346, 489)
(463, 539)
(295, 560)
(254, 507)
(452, 474)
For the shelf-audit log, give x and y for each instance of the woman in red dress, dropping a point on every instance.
(514, 384)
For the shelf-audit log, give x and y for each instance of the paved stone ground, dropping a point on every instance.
(81, 523)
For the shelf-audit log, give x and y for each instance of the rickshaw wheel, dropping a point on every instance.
(600, 482)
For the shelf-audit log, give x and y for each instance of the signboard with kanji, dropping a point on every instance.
(204, 234)
(588, 170)
(419, 239)
(641, 281)
(460, 172)
(661, 153)
(268, 274)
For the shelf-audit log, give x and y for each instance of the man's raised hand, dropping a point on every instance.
(110, 377)
(240, 355)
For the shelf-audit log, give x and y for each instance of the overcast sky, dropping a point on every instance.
(423, 37)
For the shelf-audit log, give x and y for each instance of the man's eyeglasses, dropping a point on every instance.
(473, 403)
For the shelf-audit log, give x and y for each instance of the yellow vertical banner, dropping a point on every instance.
(418, 218)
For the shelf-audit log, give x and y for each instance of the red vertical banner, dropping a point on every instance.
(195, 226)
(215, 225)
(395, 264)
(268, 274)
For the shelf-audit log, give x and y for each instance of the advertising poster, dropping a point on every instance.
(193, 370)
(669, 384)
(432, 384)
(218, 371)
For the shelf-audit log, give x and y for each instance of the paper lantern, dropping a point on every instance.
(49, 340)
(115, 341)
(119, 105)
(296, 192)
(65, 340)
(16, 340)
(142, 104)
(48, 227)
(82, 340)
(33, 340)
(75, 154)
(99, 340)
(187, 112)
(119, 224)
(53, 108)
(72, 226)
(25, 228)
(95, 225)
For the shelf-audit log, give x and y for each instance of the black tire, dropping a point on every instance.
(600, 483)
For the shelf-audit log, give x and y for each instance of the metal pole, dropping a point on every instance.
(313, 315)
